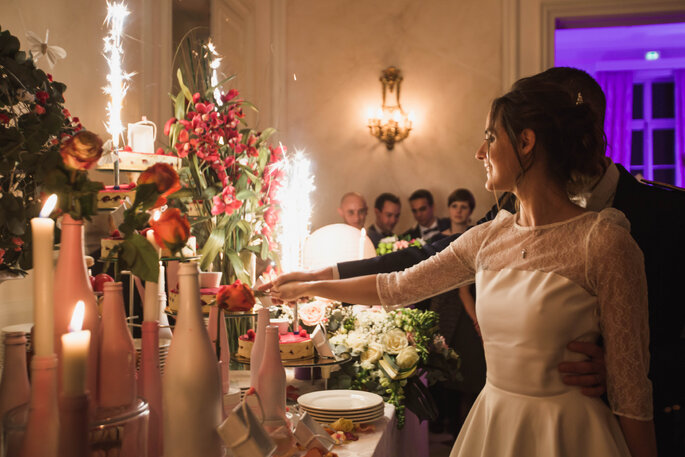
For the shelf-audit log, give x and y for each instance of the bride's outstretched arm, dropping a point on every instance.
(360, 290)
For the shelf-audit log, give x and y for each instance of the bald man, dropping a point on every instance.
(353, 209)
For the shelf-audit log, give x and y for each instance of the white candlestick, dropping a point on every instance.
(362, 240)
(42, 234)
(75, 346)
(150, 234)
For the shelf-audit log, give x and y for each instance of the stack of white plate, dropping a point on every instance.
(164, 344)
(327, 406)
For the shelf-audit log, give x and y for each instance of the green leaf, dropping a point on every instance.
(214, 244)
(245, 194)
(238, 266)
(141, 257)
(184, 89)
(179, 107)
(266, 133)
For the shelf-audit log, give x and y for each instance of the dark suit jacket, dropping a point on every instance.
(415, 232)
(375, 236)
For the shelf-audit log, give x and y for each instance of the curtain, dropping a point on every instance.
(679, 76)
(618, 89)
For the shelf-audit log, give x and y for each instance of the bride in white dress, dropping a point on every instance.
(549, 274)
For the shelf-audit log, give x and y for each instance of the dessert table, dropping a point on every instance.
(385, 441)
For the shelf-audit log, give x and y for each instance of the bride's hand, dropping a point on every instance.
(275, 287)
(289, 291)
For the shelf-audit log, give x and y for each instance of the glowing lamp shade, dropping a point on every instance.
(336, 243)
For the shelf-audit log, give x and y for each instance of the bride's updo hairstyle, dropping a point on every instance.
(567, 136)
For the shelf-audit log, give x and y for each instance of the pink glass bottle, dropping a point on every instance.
(271, 390)
(192, 407)
(257, 353)
(14, 388)
(42, 428)
(71, 285)
(217, 321)
(117, 369)
(271, 381)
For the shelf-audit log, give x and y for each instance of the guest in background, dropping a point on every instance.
(422, 207)
(460, 205)
(353, 209)
(387, 208)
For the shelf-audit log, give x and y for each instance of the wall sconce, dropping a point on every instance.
(391, 124)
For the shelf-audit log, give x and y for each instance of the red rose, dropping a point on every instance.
(172, 229)
(236, 297)
(164, 177)
(81, 151)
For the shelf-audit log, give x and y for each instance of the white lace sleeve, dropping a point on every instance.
(447, 270)
(615, 269)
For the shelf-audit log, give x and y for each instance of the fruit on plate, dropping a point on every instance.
(98, 281)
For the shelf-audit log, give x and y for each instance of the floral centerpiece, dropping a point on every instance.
(392, 351)
(394, 243)
(34, 125)
(231, 171)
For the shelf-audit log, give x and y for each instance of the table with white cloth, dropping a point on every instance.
(385, 441)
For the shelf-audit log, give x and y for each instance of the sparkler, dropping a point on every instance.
(214, 65)
(117, 86)
(296, 210)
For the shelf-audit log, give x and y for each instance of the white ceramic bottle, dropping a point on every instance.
(191, 383)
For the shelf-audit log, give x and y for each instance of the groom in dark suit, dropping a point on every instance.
(657, 217)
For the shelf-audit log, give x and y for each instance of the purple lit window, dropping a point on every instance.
(645, 122)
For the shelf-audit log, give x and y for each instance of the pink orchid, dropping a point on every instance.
(226, 202)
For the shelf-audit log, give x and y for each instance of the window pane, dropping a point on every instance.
(636, 148)
(663, 146)
(667, 176)
(638, 101)
(662, 100)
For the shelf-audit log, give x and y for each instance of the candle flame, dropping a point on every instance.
(77, 318)
(49, 205)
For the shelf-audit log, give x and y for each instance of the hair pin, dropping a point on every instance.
(579, 99)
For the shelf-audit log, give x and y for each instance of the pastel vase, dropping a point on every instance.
(150, 386)
(257, 353)
(217, 325)
(271, 389)
(71, 284)
(117, 369)
(192, 408)
(14, 387)
(73, 425)
(42, 427)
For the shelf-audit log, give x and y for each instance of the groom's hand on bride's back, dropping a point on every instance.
(589, 374)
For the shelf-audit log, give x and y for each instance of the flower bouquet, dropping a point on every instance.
(392, 351)
(34, 126)
(231, 171)
(393, 243)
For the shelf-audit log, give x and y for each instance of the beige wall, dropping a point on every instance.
(449, 53)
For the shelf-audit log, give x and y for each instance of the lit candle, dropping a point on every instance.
(362, 240)
(42, 233)
(75, 354)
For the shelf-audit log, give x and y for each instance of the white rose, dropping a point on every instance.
(373, 353)
(407, 358)
(394, 341)
(356, 342)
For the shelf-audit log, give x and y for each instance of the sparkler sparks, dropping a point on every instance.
(117, 86)
(296, 210)
(214, 65)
